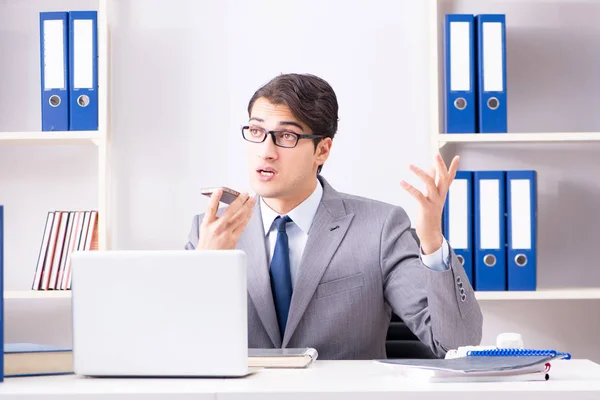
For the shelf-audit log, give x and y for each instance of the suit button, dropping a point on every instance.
(463, 297)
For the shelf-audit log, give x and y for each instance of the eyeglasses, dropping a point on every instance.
(285, 139)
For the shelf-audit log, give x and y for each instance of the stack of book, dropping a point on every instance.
(65, 232)
(492, 365)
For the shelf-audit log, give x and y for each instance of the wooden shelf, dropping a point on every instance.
(50, 138)
(37, 294)
(518, 137)
(542, 294)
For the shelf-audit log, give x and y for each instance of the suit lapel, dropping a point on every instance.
(329, 228)
(252, 242)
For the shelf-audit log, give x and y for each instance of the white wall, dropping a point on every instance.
(182, 81)
(182, 74)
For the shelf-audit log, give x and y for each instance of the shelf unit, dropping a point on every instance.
(542, 294)
(439, 140)
(548, 137)
(50, 138)
(99, 138)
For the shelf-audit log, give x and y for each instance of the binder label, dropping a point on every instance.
(458, 213)
(54, 66)
(492, 57)
(521, 213)
(489, 209)
(460, 56)
(83, 53)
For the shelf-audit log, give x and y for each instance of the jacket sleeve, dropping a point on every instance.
(194, 235)
(439, 307)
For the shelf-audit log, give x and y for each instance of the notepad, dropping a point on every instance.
(493, 366)
(282, 358)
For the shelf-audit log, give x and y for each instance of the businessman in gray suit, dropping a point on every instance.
(327, 269)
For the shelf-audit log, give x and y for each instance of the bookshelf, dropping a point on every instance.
(449, 145)
(50, 138)
(98, 139)
(542, 294)
(548, 137)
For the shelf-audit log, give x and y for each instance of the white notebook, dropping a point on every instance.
(475, 368)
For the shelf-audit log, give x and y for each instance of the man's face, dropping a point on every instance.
(277, 172)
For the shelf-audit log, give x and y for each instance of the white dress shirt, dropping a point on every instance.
(302, 218)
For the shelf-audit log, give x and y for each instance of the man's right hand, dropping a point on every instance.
(223, 233)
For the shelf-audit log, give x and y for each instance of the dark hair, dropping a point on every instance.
(310, 99)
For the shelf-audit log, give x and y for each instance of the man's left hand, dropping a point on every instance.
(429, 220)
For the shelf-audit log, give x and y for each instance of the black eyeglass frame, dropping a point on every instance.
(272, 134)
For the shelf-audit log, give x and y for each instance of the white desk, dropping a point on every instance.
(347, 380)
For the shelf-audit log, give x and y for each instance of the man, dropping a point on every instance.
(327, 269)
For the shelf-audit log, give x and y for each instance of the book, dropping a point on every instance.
(27, 359)
(282, 358)
(64, 233)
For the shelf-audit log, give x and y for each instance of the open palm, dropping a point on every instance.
(431, 203)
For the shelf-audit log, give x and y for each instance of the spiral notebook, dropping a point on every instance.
(500, 352)
(483, 365)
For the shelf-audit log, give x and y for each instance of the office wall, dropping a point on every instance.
(182, 74)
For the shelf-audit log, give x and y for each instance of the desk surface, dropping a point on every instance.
(572, 379)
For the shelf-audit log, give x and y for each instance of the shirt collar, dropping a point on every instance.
(303, 215)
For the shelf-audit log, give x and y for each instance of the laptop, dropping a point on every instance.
(160, 313)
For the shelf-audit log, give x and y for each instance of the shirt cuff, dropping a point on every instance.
(438, 260)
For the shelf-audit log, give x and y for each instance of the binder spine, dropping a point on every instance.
(510, 352)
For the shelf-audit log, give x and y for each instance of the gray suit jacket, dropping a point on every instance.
(360, 264)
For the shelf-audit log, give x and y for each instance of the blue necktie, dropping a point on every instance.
(281, 280)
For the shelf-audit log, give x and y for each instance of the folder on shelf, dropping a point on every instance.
(490, 235)
(491, 61)
(521, 207)
(54, 34)
(459, 74)
(458, 220)
(83, 69)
